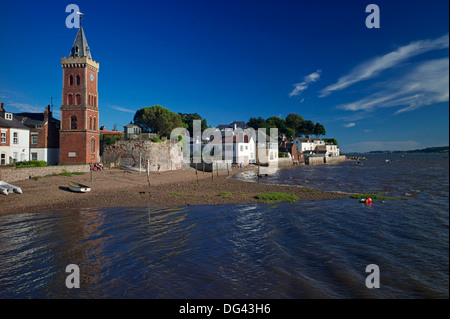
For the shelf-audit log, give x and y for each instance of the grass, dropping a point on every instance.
(225, 194)
(66, 173)
(274, 197)
(373, 196)
(30, 164)
(176, 194)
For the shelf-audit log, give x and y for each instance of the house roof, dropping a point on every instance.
(239, 124)
(81, 43)
(11, 123)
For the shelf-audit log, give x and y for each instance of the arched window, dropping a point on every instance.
(73, 122)
(70, 80)
(78, 99)
(93, 145)
(90, 123)
(69, 99)
(95, 123)
(78, 79)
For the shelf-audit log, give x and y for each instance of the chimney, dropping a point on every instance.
(47, 112)
(1, 108)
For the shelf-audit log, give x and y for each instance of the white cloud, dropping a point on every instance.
(300, 87)
(350, 124)
(122, 109)
(23, 107)
(374, 67)
(426, 84)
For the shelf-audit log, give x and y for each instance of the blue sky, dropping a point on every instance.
(372, 89)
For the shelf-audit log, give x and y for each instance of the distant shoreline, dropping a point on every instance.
(119, 188)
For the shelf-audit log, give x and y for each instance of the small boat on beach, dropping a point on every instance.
(79, 188)
(359, 163)
(6, 188)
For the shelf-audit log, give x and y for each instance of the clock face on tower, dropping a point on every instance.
(92, 77)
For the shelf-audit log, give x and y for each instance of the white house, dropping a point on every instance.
(14, 139)
(332, 150)
(242, 150)
(308, 145)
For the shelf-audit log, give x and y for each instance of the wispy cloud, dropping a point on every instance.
(374, 67)
(300, 87)
(426, 84)
(122, 109)
(23, 107)
(350, 124)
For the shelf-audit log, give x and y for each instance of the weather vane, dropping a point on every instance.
(81, 16)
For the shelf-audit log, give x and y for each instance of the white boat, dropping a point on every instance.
(3, 191)
(79, 188)
(9, 188)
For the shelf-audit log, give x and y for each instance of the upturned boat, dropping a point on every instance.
(79, 188)
(6, 188)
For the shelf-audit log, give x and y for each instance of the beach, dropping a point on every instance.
(121, 188)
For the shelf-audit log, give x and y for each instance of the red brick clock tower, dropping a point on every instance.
(79, 134)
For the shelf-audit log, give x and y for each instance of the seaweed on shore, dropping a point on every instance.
(372, 196)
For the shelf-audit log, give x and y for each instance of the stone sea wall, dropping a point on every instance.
(12, 174)
(165, 154)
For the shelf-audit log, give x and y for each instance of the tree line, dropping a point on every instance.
(293, 125)
(160, 120)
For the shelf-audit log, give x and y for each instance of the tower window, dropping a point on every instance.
(69, 99)
(73, 123)
(70, 80)
(78, 79)
(93, 145)
(78, 99)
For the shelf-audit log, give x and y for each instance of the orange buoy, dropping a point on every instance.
(368, 200)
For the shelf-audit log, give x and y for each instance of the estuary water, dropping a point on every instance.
(307, 249)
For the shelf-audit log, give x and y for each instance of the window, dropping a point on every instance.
(3, 137)
(38, 126)
(73, 123)
(15, 138)
(95, 123)
(78, 79)
(90, 123)
(3, 159)
(34, 139)
(70, 99)
(34, 156)
(70, 80)
(93, 145)
(8, 116)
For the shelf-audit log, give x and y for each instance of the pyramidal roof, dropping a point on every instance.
(80, 47)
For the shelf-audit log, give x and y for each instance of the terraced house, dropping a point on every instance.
(14, 139)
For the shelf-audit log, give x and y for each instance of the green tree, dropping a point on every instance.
(257, 123)
(319, 129)
(277, 122)
(307, 128)
(157, 119)
(293, 121)
(188, 120)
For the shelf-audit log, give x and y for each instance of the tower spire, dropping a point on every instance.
(80, 47)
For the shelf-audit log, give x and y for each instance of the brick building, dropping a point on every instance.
(79, 133)
(44, 135)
